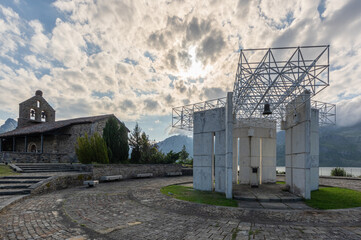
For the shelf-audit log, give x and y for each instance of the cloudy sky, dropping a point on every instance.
(137, 59)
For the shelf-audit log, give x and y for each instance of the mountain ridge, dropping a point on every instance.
(9, 125)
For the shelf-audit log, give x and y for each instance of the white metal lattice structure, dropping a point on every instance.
(182, 117)
(275, 75)
(278, 75)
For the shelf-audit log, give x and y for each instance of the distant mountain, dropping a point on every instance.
(339, 146)
(175, 143)
(9, 125)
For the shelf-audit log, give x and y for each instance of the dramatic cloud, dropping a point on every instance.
(136, 59)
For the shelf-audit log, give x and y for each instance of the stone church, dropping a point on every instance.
(39, 138)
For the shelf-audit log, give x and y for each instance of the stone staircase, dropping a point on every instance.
(18, 185)
(45, 167)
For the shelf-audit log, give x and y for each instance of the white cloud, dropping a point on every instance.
(150, 56)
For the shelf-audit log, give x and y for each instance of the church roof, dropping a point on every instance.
(52, 126)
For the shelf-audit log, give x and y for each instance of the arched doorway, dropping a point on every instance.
(32, 147)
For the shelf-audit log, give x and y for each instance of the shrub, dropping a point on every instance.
(115, 135)
(338, 172)
(93, 149)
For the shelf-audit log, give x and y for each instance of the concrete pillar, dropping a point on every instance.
(229, 145)
(206, 124)
(235, 160)
(314, 149)
(302, 146)
(220, 162)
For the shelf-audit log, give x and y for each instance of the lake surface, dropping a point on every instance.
(326, 171)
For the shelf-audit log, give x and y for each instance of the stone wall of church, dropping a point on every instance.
(21, 157)
(66, 144)
(56, 148)
(39, 105)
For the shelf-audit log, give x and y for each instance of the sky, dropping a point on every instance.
(138, 59)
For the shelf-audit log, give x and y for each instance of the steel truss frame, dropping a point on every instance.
(182, 117)
(278, 75)
(275, 75)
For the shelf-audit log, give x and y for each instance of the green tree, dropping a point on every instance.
(156, 156)
(183, 154)
(115, 135)
(92, 150)
(145, 149)
(83, 149)
(135, 143)
(171, 157)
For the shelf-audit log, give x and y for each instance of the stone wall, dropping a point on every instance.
(56, 148)
(24, 111)
(60, 182)
(67, 142)
(34, 157)
(96, 171)
(131, 170)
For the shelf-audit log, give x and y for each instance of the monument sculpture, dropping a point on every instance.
(235, 137)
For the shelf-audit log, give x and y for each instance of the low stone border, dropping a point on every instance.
(346, 178)
(11, 201)
(15, 168)
(59, 182)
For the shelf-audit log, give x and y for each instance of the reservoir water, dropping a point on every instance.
(326, 171)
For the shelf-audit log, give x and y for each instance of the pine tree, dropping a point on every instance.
(135, 143)
(115, 135)
(183, 154)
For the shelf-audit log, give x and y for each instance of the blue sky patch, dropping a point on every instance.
(150, 56)
(131, 61)
(321, 8)
(108, 94)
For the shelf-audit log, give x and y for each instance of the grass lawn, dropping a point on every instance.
(6, 171)
(334, 198)
(189, 194)
(280, 182)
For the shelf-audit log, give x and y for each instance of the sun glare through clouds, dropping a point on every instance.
(197, 69)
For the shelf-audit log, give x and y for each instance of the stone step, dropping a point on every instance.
(25, 177)
(47, 171)
(43, 164)
(14, 192)
(45, 167)
(18, 181)
(53, 169)
(14, 186)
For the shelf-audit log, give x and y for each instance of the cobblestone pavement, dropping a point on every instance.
(135, 209)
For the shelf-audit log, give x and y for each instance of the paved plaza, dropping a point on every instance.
(135, 209)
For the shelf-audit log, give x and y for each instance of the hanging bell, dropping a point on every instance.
(267, 110)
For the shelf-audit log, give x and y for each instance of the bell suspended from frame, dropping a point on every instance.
(267, 110)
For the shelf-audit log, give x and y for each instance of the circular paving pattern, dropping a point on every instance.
(135, 209)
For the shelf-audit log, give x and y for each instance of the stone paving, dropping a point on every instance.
(135, 209)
